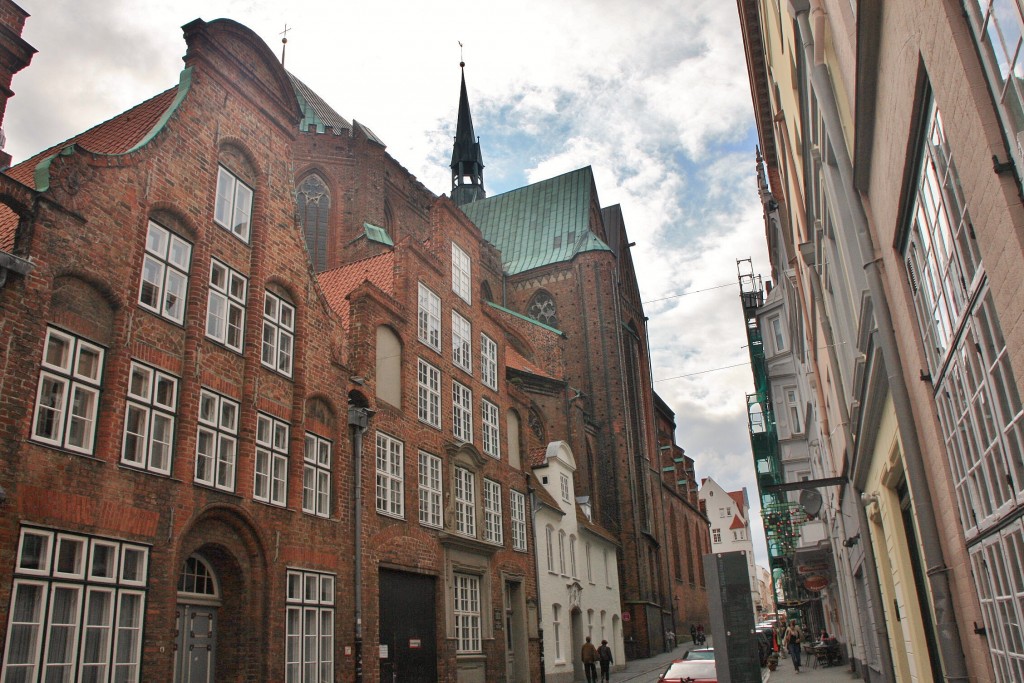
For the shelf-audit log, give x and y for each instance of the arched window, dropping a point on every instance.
(389, 366)
(314, 206)
(550, 532)
(542, 308)
(197, 579)
(561, 552)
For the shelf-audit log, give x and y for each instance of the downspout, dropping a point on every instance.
(877, 613)
(950, 647)
(358, 419)
(534, 505)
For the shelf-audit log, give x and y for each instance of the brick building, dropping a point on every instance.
(263, 416)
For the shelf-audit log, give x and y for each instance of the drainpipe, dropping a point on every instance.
(534, 505)
(358, 419)
(877, 613)
(950, 647)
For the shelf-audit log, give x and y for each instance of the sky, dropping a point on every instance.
(653, 96)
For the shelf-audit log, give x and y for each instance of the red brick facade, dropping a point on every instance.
(240, 496)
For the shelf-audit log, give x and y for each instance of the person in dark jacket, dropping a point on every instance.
(693, 633)
(604, 655)
(589, 656)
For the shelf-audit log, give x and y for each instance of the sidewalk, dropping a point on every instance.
(643, 669)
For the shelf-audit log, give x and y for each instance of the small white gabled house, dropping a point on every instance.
(577, 570)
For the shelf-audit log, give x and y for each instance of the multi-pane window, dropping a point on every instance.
(217, 441)
(716, 535)
(467, 612)
(572, 556)
(590, 567)
(68, 395)
(234, 204)
(561, 552)
(77, 609)
(793, 406)
(488, 362)
(429, 318)
(997, 28)
(564, 483)
(278, 334)
(271, 471)
(430, 490)
(149, 419)
(489, 420)
(225, 313)
(549, 535)
(461, 342)
(775, 323)
(390, 478)
(461, 272)
(556, 627)
(517, 505)
(309, 627)
(316, 476)
(975, 389)
(313, 203)
(493, 531)
(428, 392)
(465, 502)
(165, 273)
(462, 412)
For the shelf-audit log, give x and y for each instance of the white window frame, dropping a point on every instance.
(561, 552)
(120, 588)
(796, 423)
(77, 371)
(556, 627)
(233, 205)
(462, 271)
(467, 613)
(549, 538)
(218, 425)
(572, 556)
(428, 393)
(462, 412)
(490, 427)
(278, 334)
(563, 480)
(270, 470)
(517, 512)
(309, 626)
(462, 342)
(428, 327)
(716, 535)
(465, 502)
(431, 491)
(390, 476)
(148, 439)
(493, 528)
(225, 311)
(590, 567)
(488, 362)
(163, 283)
(778, 333)
(316, 475)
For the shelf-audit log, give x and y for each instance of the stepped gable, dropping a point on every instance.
(543, 223)
(337, 284)
(117, 135)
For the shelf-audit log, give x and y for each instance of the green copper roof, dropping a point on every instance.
(547, 222)
(375, 233)
(526, 318)
(316, 112)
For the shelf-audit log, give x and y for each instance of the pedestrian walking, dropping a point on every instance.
(604, 654)
(793, 637)
(693, 633)
(589, 656)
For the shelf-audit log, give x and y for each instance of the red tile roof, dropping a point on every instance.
(115, 136)
(337, 284)
(537, 457)
(737, 523)
(739, 498)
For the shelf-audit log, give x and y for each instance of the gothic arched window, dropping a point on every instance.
(542, 309)
(314, 205)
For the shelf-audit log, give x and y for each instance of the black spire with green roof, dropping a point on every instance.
(467, 161)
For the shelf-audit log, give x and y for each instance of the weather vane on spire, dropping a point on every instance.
(284, 42)
(462, 62)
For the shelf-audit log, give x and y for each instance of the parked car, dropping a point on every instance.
(690, 671)
(700, 653)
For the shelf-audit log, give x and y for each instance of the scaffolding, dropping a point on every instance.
(782, 518)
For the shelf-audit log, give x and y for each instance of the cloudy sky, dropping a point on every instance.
(652, 95)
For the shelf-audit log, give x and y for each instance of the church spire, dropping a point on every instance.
(467, 161)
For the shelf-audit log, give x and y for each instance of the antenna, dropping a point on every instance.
(284, 42)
